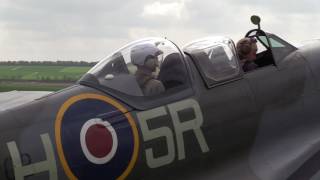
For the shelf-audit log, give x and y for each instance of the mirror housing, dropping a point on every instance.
(255, 20)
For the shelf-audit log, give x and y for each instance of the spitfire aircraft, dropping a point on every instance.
(152, 110)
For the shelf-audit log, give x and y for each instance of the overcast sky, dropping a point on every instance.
(90, 30)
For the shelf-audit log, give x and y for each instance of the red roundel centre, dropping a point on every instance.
(99, 140)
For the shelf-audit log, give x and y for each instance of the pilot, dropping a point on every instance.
(247, 50)
(145, 57)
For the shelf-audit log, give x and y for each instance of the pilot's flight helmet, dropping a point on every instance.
(141, 52)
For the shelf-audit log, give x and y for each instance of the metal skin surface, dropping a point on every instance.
(262, 126)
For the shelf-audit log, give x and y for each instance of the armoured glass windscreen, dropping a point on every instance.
(274, 43)
(143, 68)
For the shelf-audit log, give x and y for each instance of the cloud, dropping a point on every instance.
(282, 7)
(84, 29)
(171, 9)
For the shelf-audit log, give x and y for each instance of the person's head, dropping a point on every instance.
(151, 63)
(145, 57)
(247, 48)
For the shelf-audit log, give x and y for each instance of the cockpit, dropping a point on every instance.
(271, 48)
(143, 68)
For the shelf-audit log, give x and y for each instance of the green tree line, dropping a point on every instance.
(49, 63)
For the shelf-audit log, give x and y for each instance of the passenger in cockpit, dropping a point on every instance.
(247, 50)
(145, 57)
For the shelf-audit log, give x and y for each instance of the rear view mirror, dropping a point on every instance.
(256, 20)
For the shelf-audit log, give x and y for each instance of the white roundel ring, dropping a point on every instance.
(98, 140)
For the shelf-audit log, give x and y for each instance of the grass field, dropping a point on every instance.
(38, 78)
(42, 73)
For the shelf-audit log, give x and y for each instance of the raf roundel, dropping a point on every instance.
(99, 141)
(95, 132)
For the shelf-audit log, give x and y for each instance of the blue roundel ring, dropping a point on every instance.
(96, 138)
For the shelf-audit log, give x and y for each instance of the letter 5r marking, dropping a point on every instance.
(180, 127)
